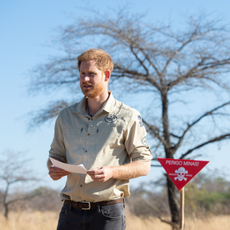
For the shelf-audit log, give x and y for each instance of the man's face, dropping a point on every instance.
(91, 79)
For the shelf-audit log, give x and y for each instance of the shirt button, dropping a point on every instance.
(81, 185)
(85, 151)
(88, 134)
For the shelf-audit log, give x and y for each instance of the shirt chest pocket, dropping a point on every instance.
(109, 134)
(73, 138)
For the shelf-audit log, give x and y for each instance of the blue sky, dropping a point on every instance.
(27, 29)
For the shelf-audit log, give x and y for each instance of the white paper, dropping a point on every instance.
(68, 167)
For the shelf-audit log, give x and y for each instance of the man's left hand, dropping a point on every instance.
(101, 174)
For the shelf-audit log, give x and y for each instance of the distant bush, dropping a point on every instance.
(208, 194)
(41, 199)
(205, 194)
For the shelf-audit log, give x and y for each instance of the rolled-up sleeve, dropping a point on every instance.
(135, 140)
(58, 147)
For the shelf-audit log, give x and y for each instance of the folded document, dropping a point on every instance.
(68, 167)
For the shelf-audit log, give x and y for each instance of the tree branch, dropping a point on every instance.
(150, 62)
(140, 61)
(177, 51)
(215, 139)
(198, 71)
(120, 71)
(211, 112)
(155, 132)
(43, 115)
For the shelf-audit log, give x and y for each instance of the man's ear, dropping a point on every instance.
(107, 75)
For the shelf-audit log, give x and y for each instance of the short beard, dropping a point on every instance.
(95, 91)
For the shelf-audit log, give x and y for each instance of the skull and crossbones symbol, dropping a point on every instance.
(181, 174)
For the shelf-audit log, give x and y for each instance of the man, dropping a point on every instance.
(109, 139)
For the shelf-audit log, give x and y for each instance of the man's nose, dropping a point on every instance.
(86, 78)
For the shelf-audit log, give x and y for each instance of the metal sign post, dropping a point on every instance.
(182, 209)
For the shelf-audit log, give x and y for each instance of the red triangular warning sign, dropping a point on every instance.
(181, 171)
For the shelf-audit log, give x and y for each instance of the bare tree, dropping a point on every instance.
(169, 63)
(13, 171)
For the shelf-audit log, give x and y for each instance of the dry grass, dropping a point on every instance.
(48, 220)
(29, 221)
(214, 223)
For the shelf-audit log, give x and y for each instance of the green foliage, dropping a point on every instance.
(208, 194)
(42, 190)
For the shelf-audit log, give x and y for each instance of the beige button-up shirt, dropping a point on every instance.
(114, 136)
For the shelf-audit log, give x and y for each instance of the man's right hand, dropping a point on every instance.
(57, 173)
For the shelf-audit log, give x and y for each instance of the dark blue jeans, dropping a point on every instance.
(110, 217)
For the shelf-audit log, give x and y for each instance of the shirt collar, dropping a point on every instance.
(109, 104)
(81, 107)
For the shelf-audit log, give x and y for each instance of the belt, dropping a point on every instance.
(84, 205)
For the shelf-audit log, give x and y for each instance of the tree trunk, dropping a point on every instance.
(172, 199)
(5, 204)
(6, 211)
